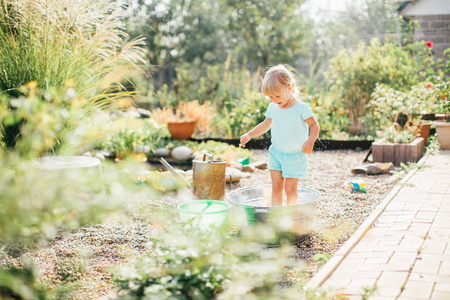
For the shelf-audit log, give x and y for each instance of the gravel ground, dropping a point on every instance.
(87, 254)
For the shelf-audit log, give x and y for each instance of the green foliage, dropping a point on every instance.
(368, 292)
(442, 104)
(224, 150)
(188, 263)
(266, 33)
(236, 100)
(393, 135)
(125, 135)
(51, 42)
(354, 75)
(48, 44)
(179, 267)
(20, 283)
(333, 120)
(42, 121)
(386, 102)
(322, 258)
(240, 115)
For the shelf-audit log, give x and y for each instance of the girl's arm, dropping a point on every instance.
(259, 129)
(314, 127)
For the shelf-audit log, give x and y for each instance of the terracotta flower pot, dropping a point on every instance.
(443, 134)
(181, 130)
(424, 130)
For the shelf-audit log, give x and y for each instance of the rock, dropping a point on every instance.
(161, 152)
(246, 175)
(87, 154)
(142, 149)
(132, 113)
(116, 114)
(248, 168)
(143, 173)
(260, 165)
(189, 175)
(144, 114)
(182, 153)
(237, 165)
(100, 156)
(106, 153)
(232, 174)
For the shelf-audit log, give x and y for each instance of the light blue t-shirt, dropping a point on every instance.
(289, 130)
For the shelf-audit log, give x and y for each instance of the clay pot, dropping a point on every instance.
(443, 134)
(424, 130)
(181, 130)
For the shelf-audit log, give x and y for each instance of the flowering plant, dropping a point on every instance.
(442, 99)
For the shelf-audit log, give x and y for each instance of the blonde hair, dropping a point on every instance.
(277, 80)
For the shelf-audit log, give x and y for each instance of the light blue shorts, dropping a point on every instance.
(292, 165)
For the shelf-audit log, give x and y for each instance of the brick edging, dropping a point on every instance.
(319, 279)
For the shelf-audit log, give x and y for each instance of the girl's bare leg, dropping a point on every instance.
(277, 187)
(291, 191)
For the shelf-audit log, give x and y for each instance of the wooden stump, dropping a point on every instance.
(383, 151)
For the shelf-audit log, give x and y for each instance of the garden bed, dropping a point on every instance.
(98, 248)
(320, 144)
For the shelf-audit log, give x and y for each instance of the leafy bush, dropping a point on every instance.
(236, 103)
(387, 102)
(21, 283)
(442, 104)
(43, 121)
(393, 135)
(354, 74)
(125, 135)
(51, 42)
(186, 263)
(241, 115)
(179, 267)
(188, 112)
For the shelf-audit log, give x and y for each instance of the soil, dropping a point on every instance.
(97, 248)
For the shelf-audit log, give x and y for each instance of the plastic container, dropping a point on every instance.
(205, 213)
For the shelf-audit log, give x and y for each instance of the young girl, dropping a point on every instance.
(288, 118)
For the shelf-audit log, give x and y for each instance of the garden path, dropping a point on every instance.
(403, 247)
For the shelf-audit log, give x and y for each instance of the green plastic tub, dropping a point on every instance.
(205, 213)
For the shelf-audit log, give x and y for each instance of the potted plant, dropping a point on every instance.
(443, 107)
(183, 121)
(400, 143)
(418, 101)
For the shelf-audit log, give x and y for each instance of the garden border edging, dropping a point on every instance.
(319, 279)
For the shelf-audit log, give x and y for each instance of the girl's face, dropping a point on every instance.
(284, 98)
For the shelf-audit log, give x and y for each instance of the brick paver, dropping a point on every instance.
(404, 246)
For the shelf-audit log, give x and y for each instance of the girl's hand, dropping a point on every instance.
(307, 147)
(244, 139)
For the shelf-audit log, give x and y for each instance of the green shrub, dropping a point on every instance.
(180, 266)
(353, 75)
(43, 121)
(240, 115)
(186, 263)
(51, 42)
(125, 135)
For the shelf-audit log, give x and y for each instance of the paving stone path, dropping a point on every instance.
(403, 247)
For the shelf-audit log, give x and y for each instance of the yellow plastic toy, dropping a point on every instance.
(358, 185)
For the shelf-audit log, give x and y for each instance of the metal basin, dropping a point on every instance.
(254, 202)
